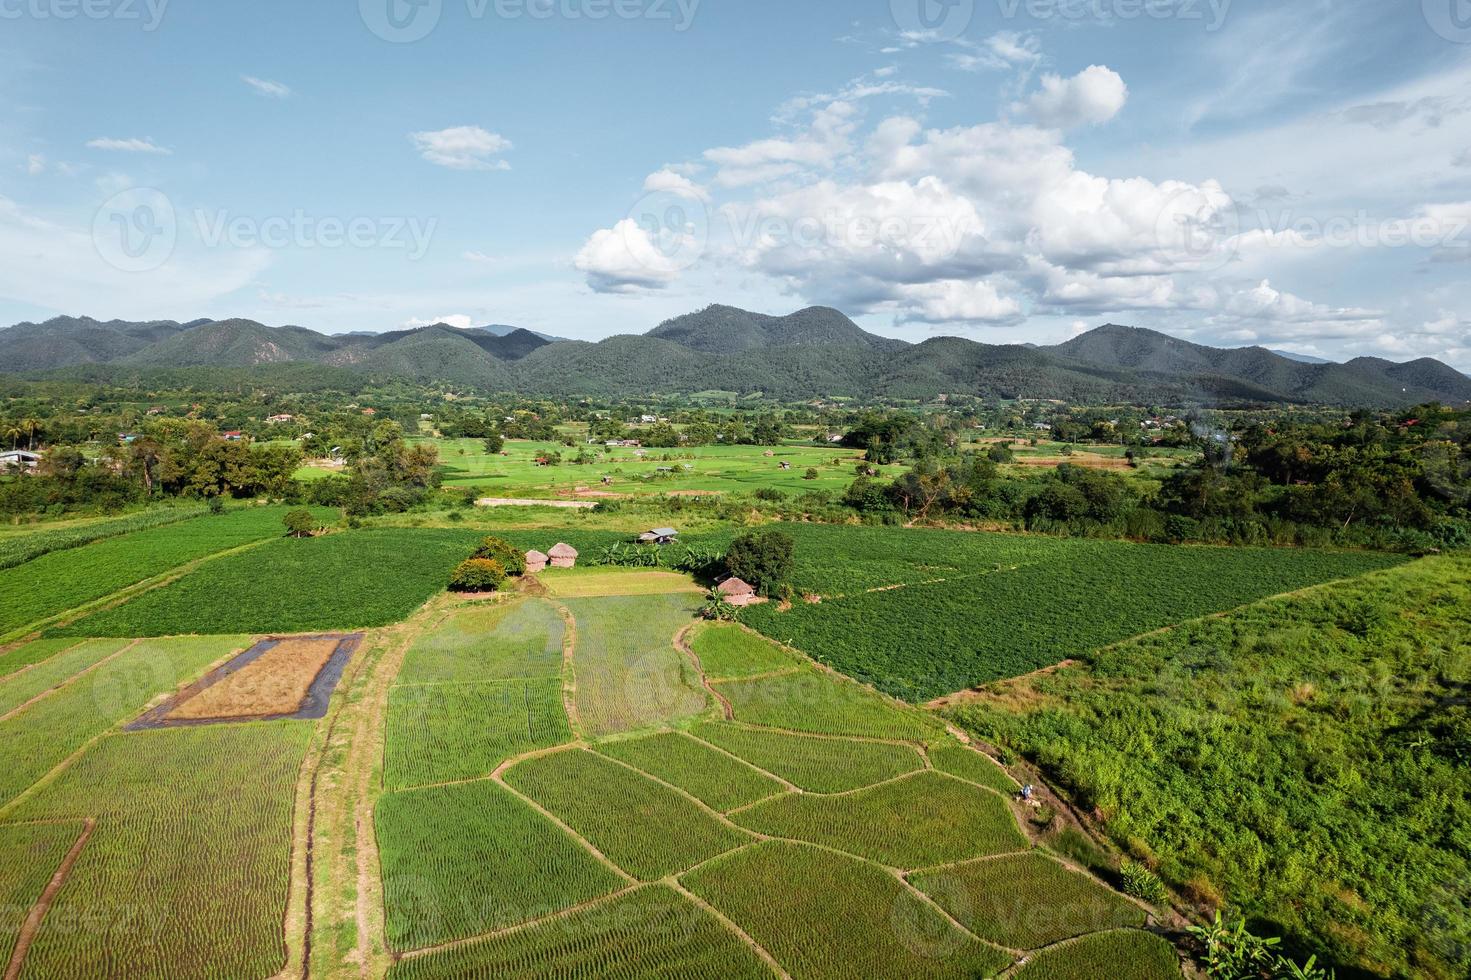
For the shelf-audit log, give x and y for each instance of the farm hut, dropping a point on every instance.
(563, 555)
(659, 535)
(536, 561)
(786, 465)
(738, 593)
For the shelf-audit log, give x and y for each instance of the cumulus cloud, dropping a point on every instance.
(35, 164)
(266, 87)
(669, 181)
(132, 145)
(628, 258)
(463, 148)
(1091, 97)
(458, 320)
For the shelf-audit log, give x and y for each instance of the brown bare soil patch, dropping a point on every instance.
(1091, 461)
(273, 684)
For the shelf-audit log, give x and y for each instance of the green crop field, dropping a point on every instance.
(27, 654)
(818, 765)
(18, 688)
(998, 617)
(193, 839)
(717, 780)
(595, 797)
(464, 860)
(947, 755)
(62, 580)
(807, 700)
(23, 544)
(918, 821)
(1122, 955)
(443, 732)
(29, 855)
(350, 580)
(727, 651)
(489, 642)
(998, 899)
(651, 933)
(824, 916)
(629, 674)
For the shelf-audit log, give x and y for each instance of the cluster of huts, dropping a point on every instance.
(562, 555)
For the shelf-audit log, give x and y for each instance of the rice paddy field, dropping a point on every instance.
(574, 777)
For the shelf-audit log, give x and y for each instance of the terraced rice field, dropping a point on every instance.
(950, 756)
(807, 700)
(486, 642)
(1124, 955)
(726, 651)
(714, 778)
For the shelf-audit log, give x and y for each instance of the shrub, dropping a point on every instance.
(478, 575)
(716, 607)
(511, 558)
(1142, 883)
(811, 474)
(299, 523)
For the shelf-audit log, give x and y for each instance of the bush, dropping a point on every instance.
(1142, 883)
(811, 474)
(299, 523)
(717, 607)
(478, 575)
(511, 558)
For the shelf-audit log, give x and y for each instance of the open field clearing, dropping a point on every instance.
(1025, 901)
(809, 700)
(950, 756)
(173, 859)
(596, 798)
(818, 765)
(824, 916)
(63, 580)
(1071, 597)
(717, 780)
(594, 581)
(915, 822)
(21, 544)
(465, 860)
(651, 933)
(29, 855)
(47, 731)
(337, 582)
(726, 651)
(629, 676)
(443, 732)
(498, 641)
(273, 684)
(1302, 758)
(1122, 955)
(18, 688)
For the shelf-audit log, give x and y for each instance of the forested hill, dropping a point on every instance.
(816, 352)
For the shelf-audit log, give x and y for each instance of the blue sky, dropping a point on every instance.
(1291, 174)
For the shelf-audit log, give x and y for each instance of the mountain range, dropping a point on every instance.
(815, 352)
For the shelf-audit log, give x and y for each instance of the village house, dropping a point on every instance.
(157, 410)
(563, 555)
(19, 459)
(234, 435)
(738, 593)
(659, 535)
(536, 561)
(280, 419)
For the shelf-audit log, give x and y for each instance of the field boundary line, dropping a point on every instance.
(18, 645)
(729, 924)
(832, 738)
(70, 680)
(480, 937)
(682, 644)
(587, 844)
(1015, 954)
(569, 670)
(34, 918)
(731, 824)
(790, 786)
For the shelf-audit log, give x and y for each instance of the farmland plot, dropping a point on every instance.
(1025, 901)
(29, 854)
(173, 858)
(717, 780)
(1123, 955)
(464, 860)
(34, 652)
(442, 732)
(727, 651)
(17, 689)
(818, 765)
(828, 917)
(950, 756)
(808, 700)
(629, 676)
(646, 829)
(914, 822)
(501, 641)
(652, 933)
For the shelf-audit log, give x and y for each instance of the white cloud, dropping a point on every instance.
(460, 321)
(1091, 97)
(133, 145)
(999, 52)
(955, 301)
(480, 257)
(669, 181)
(463, 148)
(35, 164)
(626, 258)
(266, 87)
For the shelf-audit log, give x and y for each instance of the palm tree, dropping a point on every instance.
(30, 426)
(13, 433)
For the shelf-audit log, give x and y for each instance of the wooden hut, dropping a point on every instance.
(738, 593)
(563, 555)
(536, 561)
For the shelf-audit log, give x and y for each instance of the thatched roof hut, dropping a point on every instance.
(563, 555)
(738, 592)
(536, 561)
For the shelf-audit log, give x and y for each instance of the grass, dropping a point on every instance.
(30, 653)
(652, 933)
(351, 580)
(186, 873)
(818, 765)
(569, 583)
(712, 777)
(727, 651)
(1123, 955)
(1026, 901)
(460, 861)
(950, 756)
(646, 829)
(629, 675)
(62, 580)
(17, 689)
(1303, 759)
(808, 700)
(29, 855)
(488, 642)
(46, 732)
(915, 822)
(826, 916)
(443, 732)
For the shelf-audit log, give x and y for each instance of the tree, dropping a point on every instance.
(811, 473)
(761, 558)
(478, 575)
(511, 558)
(495, 442)
(299, 523)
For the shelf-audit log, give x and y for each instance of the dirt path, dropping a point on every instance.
(38, 911)
(69, 681)
(569, 671)
(682, 644)
(739, 933)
